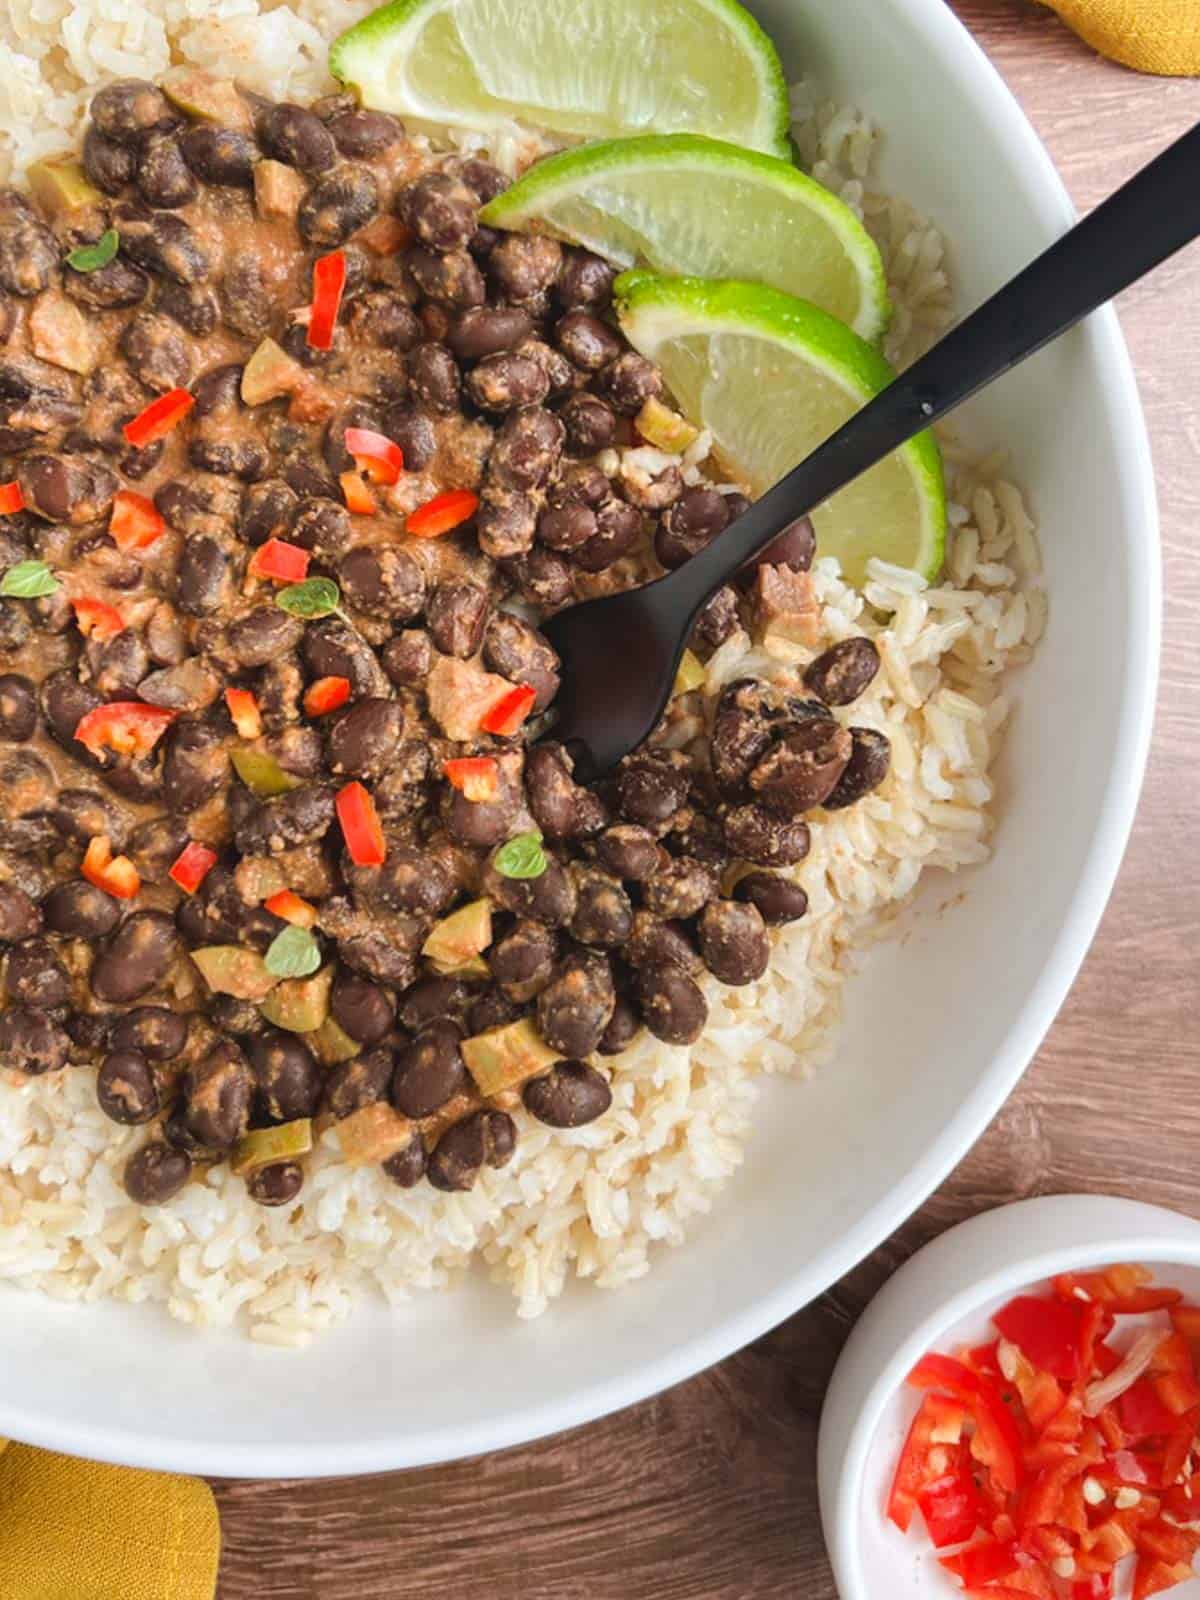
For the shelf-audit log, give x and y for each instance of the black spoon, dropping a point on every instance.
(620, 654)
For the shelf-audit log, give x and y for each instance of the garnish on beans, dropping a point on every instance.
(294, 953)
(521, 856)
(192, 865)
(329, 280)
(375, 455)
(125, 727)
(315, 597)
(1059, 1458)
(243, 708)
(91, 257)
(326, 695)
(97, 620)
(477, 777)
(361, 827)
(158, 419)
(29, 580)
(442, 513)
(507, 715)
(291, 908)
(359, 499)
(136, 522)
(116, 875)
(12, 499)
(280, 561)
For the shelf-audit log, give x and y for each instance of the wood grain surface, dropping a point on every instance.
(708, 1492)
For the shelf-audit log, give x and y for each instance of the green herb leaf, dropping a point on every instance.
(521, 857)
(315, 597)
(294, 953)
(89, 257)
(29, 580)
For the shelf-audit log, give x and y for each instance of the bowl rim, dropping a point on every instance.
(950, 48)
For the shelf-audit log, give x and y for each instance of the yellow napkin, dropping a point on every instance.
(75, 1530)
(1161, 36)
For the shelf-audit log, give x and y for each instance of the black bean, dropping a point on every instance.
(301, 817)
(870, 758)
(482, 824)
(629, 851)
(34, 976)
(483, 179)
(18, 707)
(429, 1070)
(799, 770)
(323, 526)
(623, 1028)
(361, 741)
(777, 900)
(263, 635)
(407, 1167)
(673, 1007)
(527, 449)
(543, 577)
(795, 547)
(562, 808)
(66, 488)
(129, 108)
(415, 434)
(80, 815)
(408, 657)
(156, 1174)
(485, 1137)
(294, 135)
(216, 1097)
(505, 522)
(135, 959)
(742, 730)
(195, 765)
(455, 616)
(157, 351)
(574, 1009)
(362, 1081)
(277, 1184)
(432, 998)
(524, 266)
(126, 1088)
(559, 373)
(434, 379)
(192, 305)
(26, 785)
(440, 209)
(567, 528)
(333, 649)
(603, 914)
(383, 581)
(520, 653)
(362, 1009)
(718, 621)
(220, 155)
(734, 942)
(362, 134)
(581, 483)
(411, 879)
(155, 845)
(203, 577)
(20, 917)
(694, 520)
(162, 242)
(653, 942)
(522, 961)
(842, 672)
(452, 280)
(338, 205)
(590, 423)
(287, 1078)
(618, 528)
(680, 888)
(491, 1009)
(153, 1031)
(753, 834)
(120, 667)
(501, 382)
(570, 1095)
(588, 342)
(487, 331)
(247, 300)
(267, 510)
(108, 164)
(585, 283)
(629, 382)
(31, 1042)
(118, 284)
(163, 176)
(652, 785)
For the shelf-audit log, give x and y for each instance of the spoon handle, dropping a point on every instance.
(1156, 213)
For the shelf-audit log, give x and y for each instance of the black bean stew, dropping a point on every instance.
(293, 455)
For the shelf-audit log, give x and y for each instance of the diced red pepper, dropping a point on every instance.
(1160, 1539)
(1046, 1331)
(1179, 1446)
(1043, 1500)
(158, 419)
(292, 909)
(357, 496)
(116, 875)
(12, 499)
(385, 235)
(1174, 1376)
(329, 280)
(952, 1508)
(243, 708)
(1142, 1413)
(1182, 1498)
(937, 1426)
(283, 562)
(443, 512)
(1097, 1586)
(1151, 1576)
(1185, 1319)
(982, 1563)
(326, 695)
(136, 522)
(1073, 1512)
(97, 620)
(997, 1441)
(127, 727)
(192, 865)
(478, 777)
(507, 715)
(379, 457)
(1123, 1289)
(1031, 1580)
(1095, 1325)
(361, 827)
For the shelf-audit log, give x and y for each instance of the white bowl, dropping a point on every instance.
(939, 1027)
(940, 1300)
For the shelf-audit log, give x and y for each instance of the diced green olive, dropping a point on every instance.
(300, 1005)
(460, 937)
(228, 969)
(501, 1058)
(262, 1147)
(58, 184)
(331, 1044)
(209, 99)
(374, 1133)
(269, 373)
(261, 773)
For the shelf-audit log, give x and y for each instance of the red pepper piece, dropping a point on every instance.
(1186, 1320)
(286, 563)
(329, 280)
(326, 695)
(128, 727)
(1046, 1331)
(292, 909)
(1097, 1586)
(116, 875)
(929, 1449)
(985, 1562)
(1152, 1576)
(1142, 1413)
(136, 522)
(159, 417)
(1123, 1289)
(361, 827)
(997, 1441)
(192, 865)
(1179, 1447)
(97, 620)
(478, 777)
(507, 715)
(443, 512)
(1168, 1544)
(379, 457)
(952, 1507)
(357, 496)
(243, 708)
(12, 499)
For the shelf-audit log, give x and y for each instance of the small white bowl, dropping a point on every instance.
(943, 1298)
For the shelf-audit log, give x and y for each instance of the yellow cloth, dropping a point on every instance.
(76, 1530)
(1160, 36)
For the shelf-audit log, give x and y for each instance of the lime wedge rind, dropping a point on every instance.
(773, 376)
(596, 70)
(680, 203)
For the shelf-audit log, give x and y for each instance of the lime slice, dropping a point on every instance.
(773, 377)
(682, 204)
(592, 69)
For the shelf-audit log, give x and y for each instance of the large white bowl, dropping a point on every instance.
(939, 1028)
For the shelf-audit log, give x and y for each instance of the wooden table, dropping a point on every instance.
(708, 1492)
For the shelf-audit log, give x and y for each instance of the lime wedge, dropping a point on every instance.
(773, 377)
(593, 69)
(681, 204)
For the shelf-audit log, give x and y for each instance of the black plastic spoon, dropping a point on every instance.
(620, 654)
